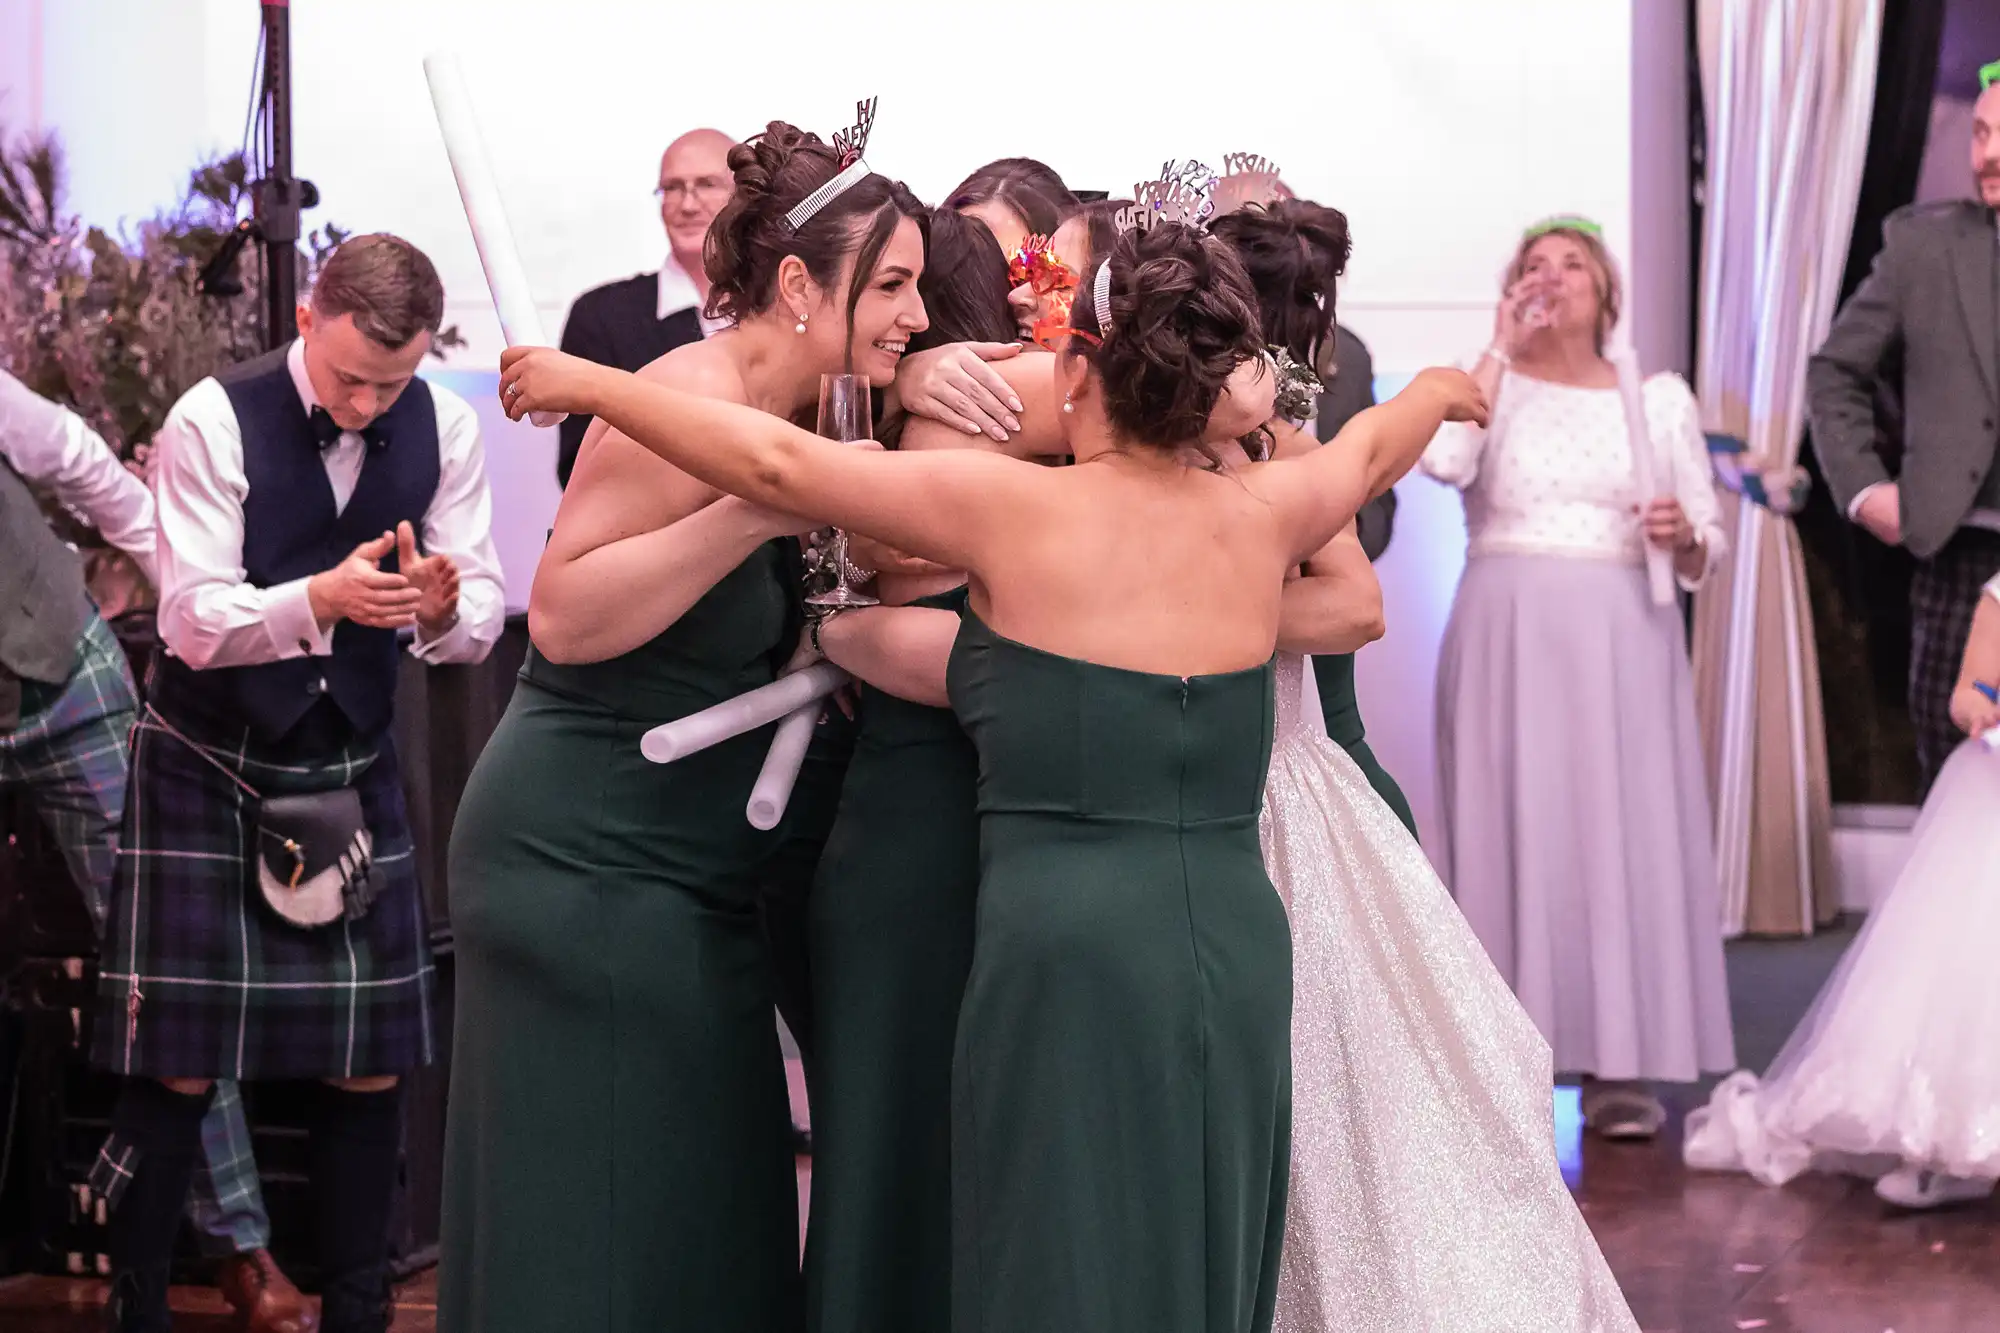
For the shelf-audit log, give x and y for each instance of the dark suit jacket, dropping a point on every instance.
(1353, 391)
(1934, 294)
(614, 325)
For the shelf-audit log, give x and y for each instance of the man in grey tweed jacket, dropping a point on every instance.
(1934, 295)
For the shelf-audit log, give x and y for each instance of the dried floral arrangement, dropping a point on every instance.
(113, 325)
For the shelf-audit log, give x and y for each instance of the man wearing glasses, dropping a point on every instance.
(637, 320)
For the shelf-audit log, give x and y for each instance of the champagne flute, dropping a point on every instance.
(1538, 306)
(844, 414)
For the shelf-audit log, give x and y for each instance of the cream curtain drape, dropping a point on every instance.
(1789, 87)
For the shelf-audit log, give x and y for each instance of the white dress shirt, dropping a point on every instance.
(54, 448)
(1553, 474)
(677, 292)
(210, 617)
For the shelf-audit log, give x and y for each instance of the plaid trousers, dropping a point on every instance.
(69, 754)
(1943, 593)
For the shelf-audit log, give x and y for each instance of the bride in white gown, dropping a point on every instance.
(1425, 1191)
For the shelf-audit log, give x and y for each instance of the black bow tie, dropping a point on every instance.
(325, 431)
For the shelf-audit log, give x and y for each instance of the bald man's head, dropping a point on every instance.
(694, 185)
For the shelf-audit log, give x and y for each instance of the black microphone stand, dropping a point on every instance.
(277, 198)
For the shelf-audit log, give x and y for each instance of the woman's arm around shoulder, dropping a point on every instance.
(1315, 495)
(1335, 605)
(945, 505)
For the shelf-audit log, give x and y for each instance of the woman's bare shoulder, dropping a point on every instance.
(608, 458)
(704, 368)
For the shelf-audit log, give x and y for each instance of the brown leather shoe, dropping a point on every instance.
(259, 1291)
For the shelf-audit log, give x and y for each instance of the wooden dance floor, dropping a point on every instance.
(1695, 1253)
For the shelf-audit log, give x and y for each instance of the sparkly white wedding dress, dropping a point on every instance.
(1425, 1191)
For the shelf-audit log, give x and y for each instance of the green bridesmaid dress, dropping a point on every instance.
(1121, 1090)
(617, 1155)
(1342, 711)
(892, 918)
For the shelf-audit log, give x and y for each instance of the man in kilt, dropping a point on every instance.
(1933, 295)
(66, 712)
(313, 504)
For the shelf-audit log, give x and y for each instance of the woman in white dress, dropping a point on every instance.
(1425, 1194)
(1575, 830)
(1895, 1071)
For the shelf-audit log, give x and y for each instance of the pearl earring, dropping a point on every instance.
(800, 327)
(1068, 406)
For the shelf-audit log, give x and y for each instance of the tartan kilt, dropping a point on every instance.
(1943, 594)
(201, 978)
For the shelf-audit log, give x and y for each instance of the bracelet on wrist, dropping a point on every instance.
(1495, 354)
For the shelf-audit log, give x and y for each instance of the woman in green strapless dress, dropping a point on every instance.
(1120, 1107)
(617, 1156)
(615, 1049)
(891, 945)
(892, 908)
(1122, 1086)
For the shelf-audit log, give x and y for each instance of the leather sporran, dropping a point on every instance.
(315, 856)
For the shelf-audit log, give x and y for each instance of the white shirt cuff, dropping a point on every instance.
(1866, 491)
(447, 646)
(291, 625)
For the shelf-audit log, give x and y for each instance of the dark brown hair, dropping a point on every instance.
(1032, 189)
(1100, 230)
(388, 285)
(964, 286)
(1294, 252)
(750, 237)
(1183, 317)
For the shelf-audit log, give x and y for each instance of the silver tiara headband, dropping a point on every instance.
(849, 143)
(1184, 194)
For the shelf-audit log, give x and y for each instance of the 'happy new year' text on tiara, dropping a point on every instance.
(1183, 193)
(1247, 179)
(849, 143)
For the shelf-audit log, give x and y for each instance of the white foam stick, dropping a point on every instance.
(1990, 738)
(745, 713)
(520, 323)
(1659, 564)
(773, 789)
